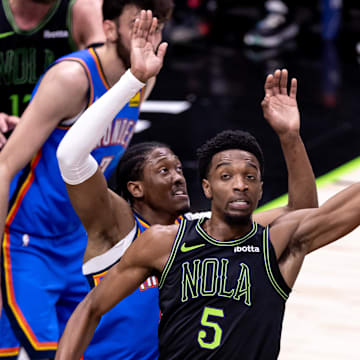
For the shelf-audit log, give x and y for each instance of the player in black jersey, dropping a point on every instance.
(33, 34)
(224, 280)
(151, 198)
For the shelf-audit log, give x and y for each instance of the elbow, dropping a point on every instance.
(63, 159)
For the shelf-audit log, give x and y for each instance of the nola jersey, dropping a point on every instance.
(39, 203)
(129, 330)
(25, 54)
(221, 299)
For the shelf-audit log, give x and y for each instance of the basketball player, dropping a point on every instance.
(33, 34)
(223, 280)
(153, 191)
(44, 241)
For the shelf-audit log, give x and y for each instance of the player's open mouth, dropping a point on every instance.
(239, 204)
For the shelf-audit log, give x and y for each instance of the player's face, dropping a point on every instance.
(125, 24)
(234, 185)
(164, 183)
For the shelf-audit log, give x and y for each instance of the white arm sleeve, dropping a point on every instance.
(73, 154)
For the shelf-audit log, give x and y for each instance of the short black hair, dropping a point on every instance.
(162, 9)
(227, 140)
(131, 165)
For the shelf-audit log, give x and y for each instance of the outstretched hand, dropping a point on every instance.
(146, 60)
(7, 123)
(280, 107)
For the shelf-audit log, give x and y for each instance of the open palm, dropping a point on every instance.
(280, 108)
(146, 62)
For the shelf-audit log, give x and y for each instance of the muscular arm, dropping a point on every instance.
(147, 254)
(105, 215)
(281, 112)
(51, 104)
(300, 232)
(87, 188)
(87, 25)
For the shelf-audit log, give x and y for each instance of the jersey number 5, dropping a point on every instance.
(208, 311)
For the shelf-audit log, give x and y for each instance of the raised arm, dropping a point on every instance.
(147, 255)
(281, 111)
(300, 232)
(104, 214)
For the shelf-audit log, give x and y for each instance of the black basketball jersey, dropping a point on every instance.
(25, 54)
(221, 299)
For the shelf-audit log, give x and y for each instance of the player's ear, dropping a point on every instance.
(206, 188)
(110, 30)
(136, 189)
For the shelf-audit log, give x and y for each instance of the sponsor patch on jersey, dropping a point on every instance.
(247, 248)
(57, 34)
(135, 100)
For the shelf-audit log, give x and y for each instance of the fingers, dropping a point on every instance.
(268, 87)
(2, 140)
(13, 121)
(293, 88)
(135, 28)
(265, 102)
(162, 50)
(276, 82)
(283, 81)
(8, 122)
(153, 26)
(144, 24)
(3, 123)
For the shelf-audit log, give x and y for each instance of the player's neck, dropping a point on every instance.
(28, 13)
(112, 66)
(224, 231)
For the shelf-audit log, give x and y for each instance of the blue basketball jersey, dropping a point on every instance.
(39, 203)
(129, 331)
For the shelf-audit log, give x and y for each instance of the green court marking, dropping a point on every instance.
(322, 181)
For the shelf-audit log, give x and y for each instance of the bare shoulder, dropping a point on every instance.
(164, 230)
(67, 83)
(161, 235)
(69, 73)
(155, 244)
(284, 232)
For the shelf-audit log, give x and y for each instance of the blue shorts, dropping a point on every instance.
(41, 283)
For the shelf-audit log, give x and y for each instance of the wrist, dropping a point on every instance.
(138, 75)
(290, 137)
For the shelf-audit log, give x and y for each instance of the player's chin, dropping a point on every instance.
(238, 218)
(182, 203)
